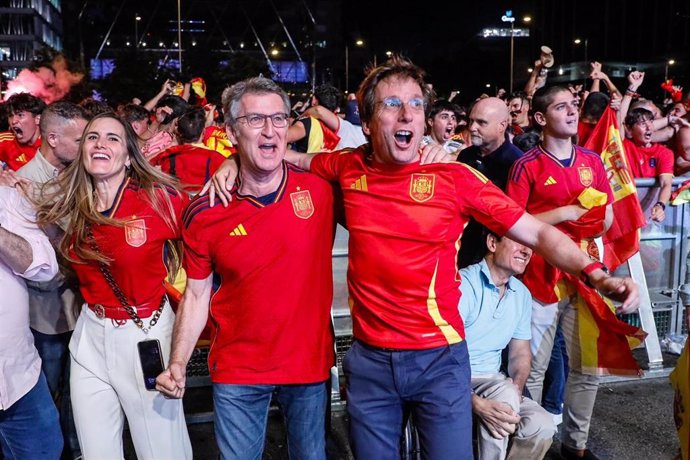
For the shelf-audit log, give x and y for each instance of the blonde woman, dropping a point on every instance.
(120, 212)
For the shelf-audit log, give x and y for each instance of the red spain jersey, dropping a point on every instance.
(136, 250)
(540, 182)
(648, 161)
(271, 314)
(14, 154)
(405, 224)
(192, 164)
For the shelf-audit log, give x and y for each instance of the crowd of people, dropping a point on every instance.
(467, 305)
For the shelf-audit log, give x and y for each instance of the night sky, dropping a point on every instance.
(441, 36)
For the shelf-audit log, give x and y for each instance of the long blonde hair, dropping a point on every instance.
(71, 199)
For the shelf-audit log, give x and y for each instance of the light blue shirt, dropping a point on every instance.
(490, 321)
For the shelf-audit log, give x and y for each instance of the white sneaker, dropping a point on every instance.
(557, 419)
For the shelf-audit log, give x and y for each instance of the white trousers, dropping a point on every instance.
(107, 385)
(580, 389)
(534, 433)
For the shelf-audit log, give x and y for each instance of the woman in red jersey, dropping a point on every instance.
(119, 213)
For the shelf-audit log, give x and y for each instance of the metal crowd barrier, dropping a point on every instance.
(663, 250)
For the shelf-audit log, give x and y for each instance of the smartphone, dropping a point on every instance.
(151, 359)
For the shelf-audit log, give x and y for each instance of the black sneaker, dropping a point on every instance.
(572, 454)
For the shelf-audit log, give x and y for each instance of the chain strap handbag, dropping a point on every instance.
(108, 275)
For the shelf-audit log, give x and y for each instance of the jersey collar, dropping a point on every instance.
(280, 191)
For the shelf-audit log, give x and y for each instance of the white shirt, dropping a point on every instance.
(20, 365)
(351, 136)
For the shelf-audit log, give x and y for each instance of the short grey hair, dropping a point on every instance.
(256, 85)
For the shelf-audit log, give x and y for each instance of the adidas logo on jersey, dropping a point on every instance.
(239, 231)
(550, 181)
(360, 184)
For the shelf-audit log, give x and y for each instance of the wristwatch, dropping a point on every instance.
(595, 265)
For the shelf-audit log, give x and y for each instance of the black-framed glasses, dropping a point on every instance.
(395, 104)
(257, 120)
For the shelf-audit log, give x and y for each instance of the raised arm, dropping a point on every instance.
(635, 80)
(320, 112)
(531, 85)
(165, 90)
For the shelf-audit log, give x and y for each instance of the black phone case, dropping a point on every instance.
(151, 358)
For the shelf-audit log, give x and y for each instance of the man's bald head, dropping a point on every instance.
(489, 120)
(493, 107)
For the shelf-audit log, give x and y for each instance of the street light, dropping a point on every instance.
(508, 17)
(359, 42)
(668, 63)
(577, 41)
(137, 18)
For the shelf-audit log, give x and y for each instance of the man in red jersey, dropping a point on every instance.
(555, 181)
(405, 221)
(271, 314)
(18, 145)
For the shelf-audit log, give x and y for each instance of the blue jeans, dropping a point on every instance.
(54, 353)
(29, 428)
(556, 376)
(434, 384)
(240, 413)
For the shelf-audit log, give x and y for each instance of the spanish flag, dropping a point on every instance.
(321, 137)
(680, 381)
(605, 341)
(622, 240)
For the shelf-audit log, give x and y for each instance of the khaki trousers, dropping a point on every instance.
(580, 389)
(534, 433)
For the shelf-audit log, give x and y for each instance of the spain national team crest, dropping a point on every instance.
(302, 204)
(422, 187)
(135, 232)
(586, 175)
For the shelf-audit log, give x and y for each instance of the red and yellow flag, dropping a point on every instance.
(216, 139)
(680, 381)
(605, 341)
(321, 137)
(622, 240)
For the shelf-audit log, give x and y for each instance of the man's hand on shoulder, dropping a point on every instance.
(222, 182)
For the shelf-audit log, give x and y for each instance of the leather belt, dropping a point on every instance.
(119, 313)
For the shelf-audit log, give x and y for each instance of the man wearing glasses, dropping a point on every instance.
(405, 220)
(271, 249)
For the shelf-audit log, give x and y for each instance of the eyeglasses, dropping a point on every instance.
(257, 120)
(395, 104)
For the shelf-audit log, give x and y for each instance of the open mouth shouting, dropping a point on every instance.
(18, 132)
(403, 138)
(268, 147)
